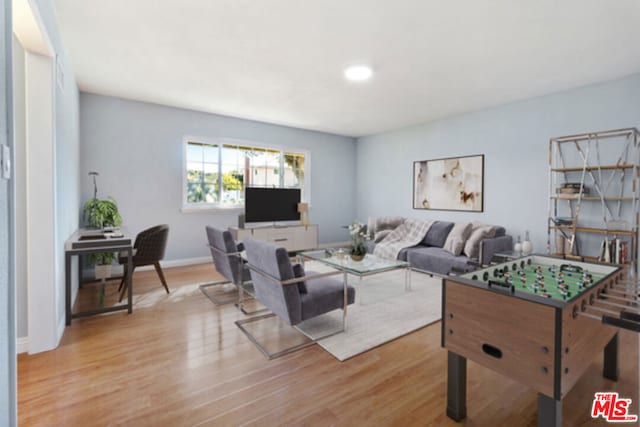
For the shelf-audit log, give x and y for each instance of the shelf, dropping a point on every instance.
(596, 135)
(594, 230)
(574, 165)
(594, 168)
(588, 259)
(595, 198)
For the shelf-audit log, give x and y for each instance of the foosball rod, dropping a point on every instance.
(626, 288)
(628, 285)
(613, 321)
(615, 304)
(621, 296)
(612, 293)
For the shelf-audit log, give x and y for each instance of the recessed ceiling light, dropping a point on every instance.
(358, 73)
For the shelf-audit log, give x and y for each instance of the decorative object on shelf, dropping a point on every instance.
(101, 214)
(609, 207)
(455, 183)
(517, 248)
(358, 237)
(560, 244)
(527, 246)
(303, 210)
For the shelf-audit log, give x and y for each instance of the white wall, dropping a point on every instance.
(20, 177)
(515, 141)
(51, 169)
(137, 149)
(41, 226)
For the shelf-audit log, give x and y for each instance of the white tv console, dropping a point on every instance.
(291, 237)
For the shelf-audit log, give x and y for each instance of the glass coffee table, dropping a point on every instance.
(371, 264)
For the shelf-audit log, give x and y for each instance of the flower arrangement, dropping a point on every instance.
(358, 237)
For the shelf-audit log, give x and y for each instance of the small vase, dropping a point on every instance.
(527, 246)
(517, 248)
(357, 257)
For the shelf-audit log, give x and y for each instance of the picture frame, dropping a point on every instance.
(449, 184)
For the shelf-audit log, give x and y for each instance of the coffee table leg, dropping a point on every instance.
(407, 279)
(359, 296)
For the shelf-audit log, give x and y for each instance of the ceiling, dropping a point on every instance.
(282, 61)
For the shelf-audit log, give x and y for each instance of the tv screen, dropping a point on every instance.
(271, 204)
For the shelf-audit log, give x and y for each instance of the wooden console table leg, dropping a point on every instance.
(549, 411)
(610, 369)
(456, 386)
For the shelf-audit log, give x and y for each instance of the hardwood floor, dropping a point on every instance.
(178, 360)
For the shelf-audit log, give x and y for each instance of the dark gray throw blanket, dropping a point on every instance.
(404, 236)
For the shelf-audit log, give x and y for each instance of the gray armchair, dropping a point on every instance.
(228, 262)
(291, 294)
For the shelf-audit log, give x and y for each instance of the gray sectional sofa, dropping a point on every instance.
(431, 256)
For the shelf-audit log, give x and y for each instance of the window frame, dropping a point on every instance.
(189, 207)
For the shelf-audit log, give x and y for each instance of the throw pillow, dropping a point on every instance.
(472, 247)
(437, 234)
(380, 235)
(298, 271)
(457, 238)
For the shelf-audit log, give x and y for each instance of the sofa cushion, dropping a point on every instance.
(298, 272)
(437, 234)
(436, 260)
(457, 238)
(479, 232)
(324, 294)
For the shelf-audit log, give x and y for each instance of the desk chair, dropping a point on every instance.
(148, 249)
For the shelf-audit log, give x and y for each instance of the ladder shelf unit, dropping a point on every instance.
(594, 197)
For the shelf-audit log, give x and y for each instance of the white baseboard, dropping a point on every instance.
(22, 345)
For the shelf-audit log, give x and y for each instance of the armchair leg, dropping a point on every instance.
(124, 284)
(161, 275)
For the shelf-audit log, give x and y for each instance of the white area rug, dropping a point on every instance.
(384, 313)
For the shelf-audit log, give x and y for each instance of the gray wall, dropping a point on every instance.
(515, 141)
(7, 316)
(137, 149)
(20, 136)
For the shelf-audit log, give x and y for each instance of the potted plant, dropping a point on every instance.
(102, 214)
(358, 237)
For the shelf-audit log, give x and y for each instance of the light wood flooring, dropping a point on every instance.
(178, 360)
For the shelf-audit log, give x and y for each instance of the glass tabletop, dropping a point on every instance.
(370, 264)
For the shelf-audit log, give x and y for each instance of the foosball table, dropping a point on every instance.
(539, 320)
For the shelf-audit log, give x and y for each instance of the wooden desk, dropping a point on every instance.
(84, 242)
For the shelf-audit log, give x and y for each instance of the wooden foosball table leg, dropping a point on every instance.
(549, 411)
(456, 386)
(610, 369)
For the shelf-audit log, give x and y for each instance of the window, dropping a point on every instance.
(216, 172)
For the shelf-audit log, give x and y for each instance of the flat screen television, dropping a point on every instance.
(271, 204)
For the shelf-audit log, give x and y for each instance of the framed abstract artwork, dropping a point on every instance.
(452, 184)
